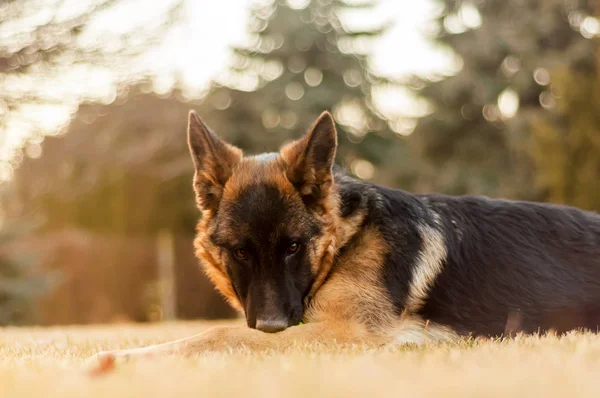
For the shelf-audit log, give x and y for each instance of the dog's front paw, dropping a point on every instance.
(211, 340)
(102, 362)
(106, 361)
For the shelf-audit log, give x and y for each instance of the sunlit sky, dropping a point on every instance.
(198, 49)
(402, 50)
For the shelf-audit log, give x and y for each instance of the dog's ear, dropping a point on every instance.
(214, 160)
(310, 159)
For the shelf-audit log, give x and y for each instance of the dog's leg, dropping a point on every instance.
(222, 338)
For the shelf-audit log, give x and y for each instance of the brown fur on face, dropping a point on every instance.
(307, 201)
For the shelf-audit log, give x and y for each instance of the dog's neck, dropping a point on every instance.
(349, 209)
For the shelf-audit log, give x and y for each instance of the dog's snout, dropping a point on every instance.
(271, 325)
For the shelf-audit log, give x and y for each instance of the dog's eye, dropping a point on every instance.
(293, 248)
(240, 254)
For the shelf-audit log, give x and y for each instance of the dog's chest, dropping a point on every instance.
(354, 291)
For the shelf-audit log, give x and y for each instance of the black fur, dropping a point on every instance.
(259, 223)
(537, 263)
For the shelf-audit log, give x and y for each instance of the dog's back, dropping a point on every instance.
(509, 266)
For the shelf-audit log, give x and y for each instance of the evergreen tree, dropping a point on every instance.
(476, 138)
(566, 140)
(20, 281)
(301, 61)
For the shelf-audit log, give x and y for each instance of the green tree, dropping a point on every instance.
(476, 138)
(300, 61)
(566, 140)
(21, 282)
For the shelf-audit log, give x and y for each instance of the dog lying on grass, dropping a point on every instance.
(287, 238)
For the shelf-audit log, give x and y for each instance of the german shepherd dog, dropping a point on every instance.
(309, 255)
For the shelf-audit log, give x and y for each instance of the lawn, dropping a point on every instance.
(50, 362)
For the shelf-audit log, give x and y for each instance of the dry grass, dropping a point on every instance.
(49, 362)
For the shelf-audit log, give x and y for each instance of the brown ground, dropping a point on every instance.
(50, 362)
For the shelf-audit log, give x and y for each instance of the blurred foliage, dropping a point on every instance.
(521, 92)
(477, 138)
(21, 280)
(124, 167)
(55, 54)
(566, 142)
(300, 62)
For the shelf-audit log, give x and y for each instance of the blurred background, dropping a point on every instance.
(97, 213)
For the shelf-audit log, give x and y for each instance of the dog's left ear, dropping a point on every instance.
(214, 160)
(310, 159)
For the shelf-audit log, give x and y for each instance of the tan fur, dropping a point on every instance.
(429, 266)
(354, 292)
(214, 162)
(311, 178)
(226, 338)
(250, 171)
(210, 261)
(326, 248)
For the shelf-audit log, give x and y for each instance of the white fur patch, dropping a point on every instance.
(266, 157)
(413, 330)
(429, 266)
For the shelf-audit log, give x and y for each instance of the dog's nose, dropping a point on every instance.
(272, 325)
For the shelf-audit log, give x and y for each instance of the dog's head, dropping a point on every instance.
(267, 234)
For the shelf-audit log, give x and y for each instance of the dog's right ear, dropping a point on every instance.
(214, 160)
(310, 159)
